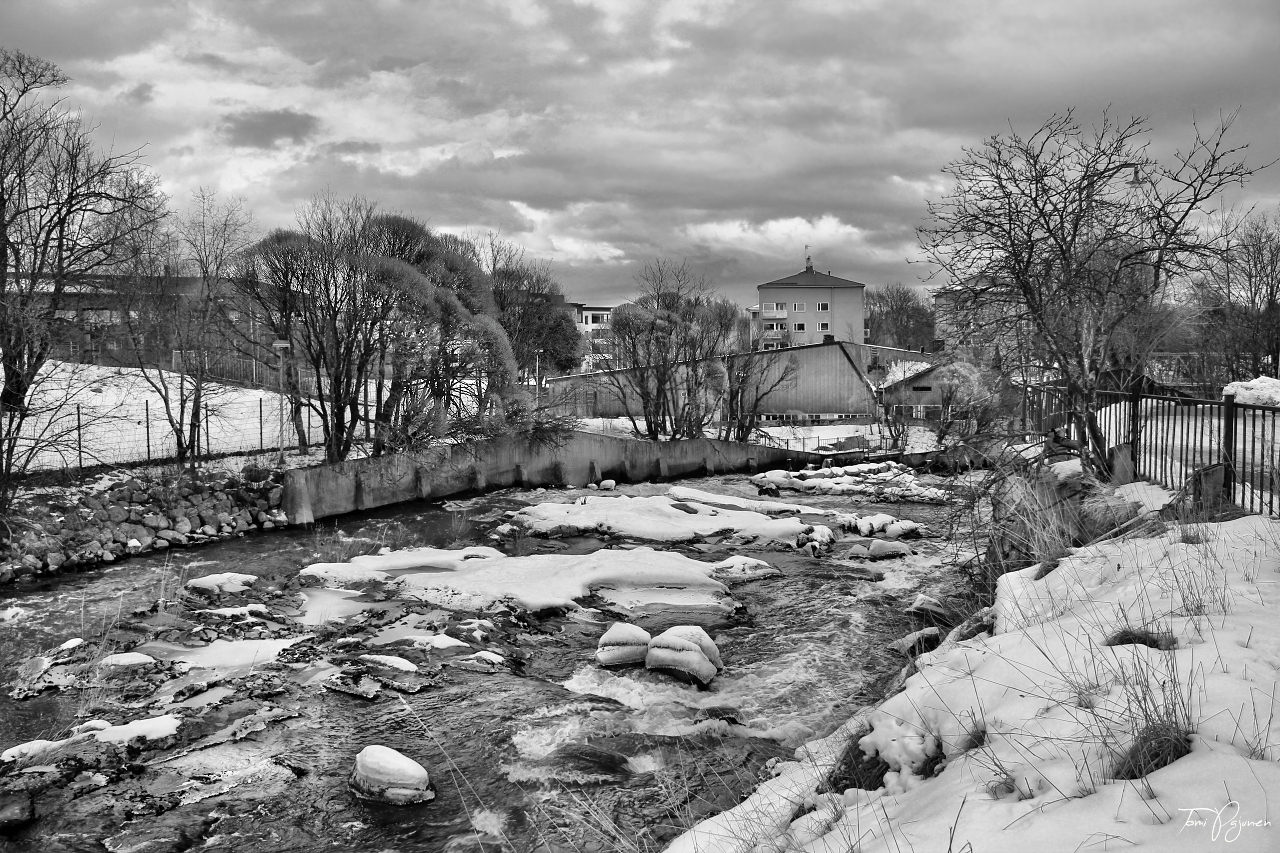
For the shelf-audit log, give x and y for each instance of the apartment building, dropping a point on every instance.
(810, 307)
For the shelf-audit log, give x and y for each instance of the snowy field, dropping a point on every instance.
(1126, 700)
(89, 415)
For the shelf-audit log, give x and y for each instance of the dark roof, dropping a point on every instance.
(809, 277)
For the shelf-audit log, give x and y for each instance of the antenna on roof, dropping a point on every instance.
(808, 261)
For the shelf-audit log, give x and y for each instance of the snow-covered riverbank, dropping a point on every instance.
(1126, 699)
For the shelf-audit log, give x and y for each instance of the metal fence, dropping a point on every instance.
(83, 436)
(1172, 437)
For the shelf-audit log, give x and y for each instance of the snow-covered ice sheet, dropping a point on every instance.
(658, 518)
(543, 581)
(684, 493)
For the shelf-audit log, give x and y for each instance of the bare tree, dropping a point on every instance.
(1240, 295)
(1044, 232)
(531, 308)
(176, 313)
(898, 316)
(753, 377)
(67, 211)
(664, 349)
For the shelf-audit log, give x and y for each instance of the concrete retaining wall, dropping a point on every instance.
(327, 490)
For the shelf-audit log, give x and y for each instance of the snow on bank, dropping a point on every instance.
(1262, 391)
(1013, 741)
(662, 519)
(121, 417)
(1148, 496)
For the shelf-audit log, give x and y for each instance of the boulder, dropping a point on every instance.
(173, 537)
(155, 521)
(883, 550)
(608, 485)
(918, 642)
(182, 525)
(385, 775)
(928, 605)
(623, 645)
(117, 514)
(684, 652)
(901, 527)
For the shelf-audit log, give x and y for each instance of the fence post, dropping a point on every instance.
(146, 409)
(1135, 425)
(1229, 446)
(79, 439)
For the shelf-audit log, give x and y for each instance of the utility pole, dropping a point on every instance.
(280, 346)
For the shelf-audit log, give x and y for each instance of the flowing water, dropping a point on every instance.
(557, 752)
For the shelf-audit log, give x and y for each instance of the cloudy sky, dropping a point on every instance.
(603, 133)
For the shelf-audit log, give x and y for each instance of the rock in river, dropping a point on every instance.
(622, 645)
(388, 776)
(685, 652)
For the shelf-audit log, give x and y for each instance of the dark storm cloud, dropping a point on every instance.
(731, 133)
(71, 31)
(211, 60)
(140, 94)
(268, 128)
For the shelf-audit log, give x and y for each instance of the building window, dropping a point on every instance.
(921, 387)
(824, 327)
(824, 306)
(798, 307)
(599, 318)
(768, 346)
(779, 306)
(799, 327)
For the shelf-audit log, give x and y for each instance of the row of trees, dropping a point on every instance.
(440, 331)
(411, 332)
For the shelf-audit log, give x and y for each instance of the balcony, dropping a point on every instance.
(772, 314)
(772, 334)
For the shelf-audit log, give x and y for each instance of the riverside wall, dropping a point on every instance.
(322, 491)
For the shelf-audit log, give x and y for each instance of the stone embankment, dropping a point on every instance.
(137, 515)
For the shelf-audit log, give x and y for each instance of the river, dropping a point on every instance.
(551, 751)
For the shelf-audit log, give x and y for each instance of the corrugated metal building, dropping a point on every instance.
(831, 381)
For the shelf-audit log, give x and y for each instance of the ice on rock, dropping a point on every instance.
(390, 662)
(223, 582)
(622, 645)
(152, 728)
(741, 567)
(383, 774)
(125, 659)
(685, 652)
